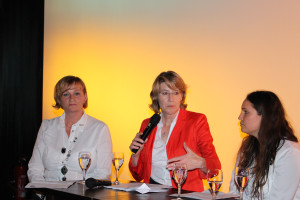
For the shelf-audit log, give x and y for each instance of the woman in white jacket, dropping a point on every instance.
(270, 150)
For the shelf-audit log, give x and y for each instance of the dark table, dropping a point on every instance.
(79, 191)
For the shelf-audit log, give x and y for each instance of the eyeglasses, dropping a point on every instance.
(166, 93)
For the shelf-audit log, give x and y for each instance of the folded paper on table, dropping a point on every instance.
(139, 187)
(143, 189)
(50, 184)
(206, 195)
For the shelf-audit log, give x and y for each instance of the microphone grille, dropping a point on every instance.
(155, 119)
(91, 182)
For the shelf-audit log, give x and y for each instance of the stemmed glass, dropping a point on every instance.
(85, 160)
(214, 180)
(117, 160)
(179, 175)
(241, 177)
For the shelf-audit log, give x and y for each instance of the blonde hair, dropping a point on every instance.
(62, 84)
(173, 81)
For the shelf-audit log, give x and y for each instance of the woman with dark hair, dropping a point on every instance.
(180, 136)
(59, 140)
(270, 150)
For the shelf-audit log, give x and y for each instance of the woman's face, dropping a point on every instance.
(249, 119)
(169, 100)
(73, 98)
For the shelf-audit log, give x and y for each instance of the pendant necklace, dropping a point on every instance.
(64, 169)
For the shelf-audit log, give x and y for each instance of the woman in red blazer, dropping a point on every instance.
(180, 137)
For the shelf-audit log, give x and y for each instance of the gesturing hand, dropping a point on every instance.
(191, 159)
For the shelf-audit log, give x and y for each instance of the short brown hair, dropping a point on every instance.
(60, 86)
(173, 81)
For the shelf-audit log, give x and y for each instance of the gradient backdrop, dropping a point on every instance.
(222, 49)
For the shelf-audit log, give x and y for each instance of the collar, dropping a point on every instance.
(80, 124)
(160, 124)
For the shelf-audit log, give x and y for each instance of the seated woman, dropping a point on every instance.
(270, 150)
(180, 136)
(59, 140)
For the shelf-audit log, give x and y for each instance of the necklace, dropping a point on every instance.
(165, 132)
(64, 169)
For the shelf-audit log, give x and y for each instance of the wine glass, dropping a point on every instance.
(179, 175)
(241, 177)
(214, 180)
(85, 160)
(117, 160)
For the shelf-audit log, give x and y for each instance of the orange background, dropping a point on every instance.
(222, 49)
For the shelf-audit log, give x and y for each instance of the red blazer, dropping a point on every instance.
(191, 128)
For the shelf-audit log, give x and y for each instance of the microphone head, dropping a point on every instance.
(91, 182)
(155, 119)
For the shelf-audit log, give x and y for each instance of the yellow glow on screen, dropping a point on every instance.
(222, 52)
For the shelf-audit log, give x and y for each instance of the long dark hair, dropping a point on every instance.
(274, 128)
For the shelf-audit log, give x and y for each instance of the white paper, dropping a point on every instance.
(50, 184)
(143, 189)
(139, 187)
(206, 195)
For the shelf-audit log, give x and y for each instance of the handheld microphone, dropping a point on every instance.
(91, 183)
(153, 122)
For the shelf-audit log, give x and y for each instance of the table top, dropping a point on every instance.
(80, 191)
